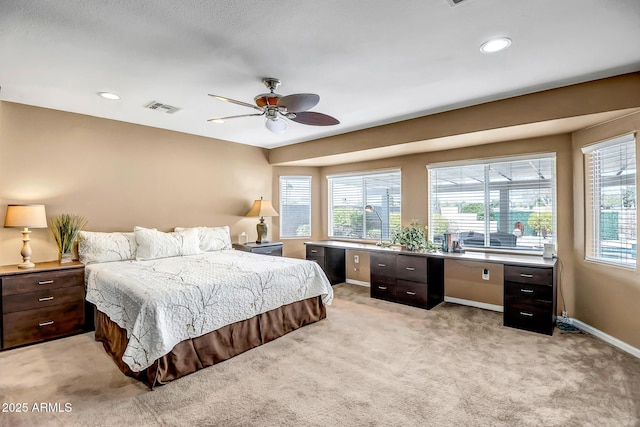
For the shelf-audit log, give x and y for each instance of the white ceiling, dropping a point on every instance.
(372, 62)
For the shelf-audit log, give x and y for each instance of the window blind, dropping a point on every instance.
(611, 201)
(497, 203)
(295, 206)
(348, 196)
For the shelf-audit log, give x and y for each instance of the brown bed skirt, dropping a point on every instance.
(197, 353)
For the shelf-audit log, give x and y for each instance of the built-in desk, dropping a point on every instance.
(521, 286)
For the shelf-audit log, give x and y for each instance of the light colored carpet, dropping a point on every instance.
(369, 363)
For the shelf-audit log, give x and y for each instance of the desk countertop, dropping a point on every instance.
(501, 258)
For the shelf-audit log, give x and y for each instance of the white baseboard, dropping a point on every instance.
(477, 304)
(358, 282)
(606, 337)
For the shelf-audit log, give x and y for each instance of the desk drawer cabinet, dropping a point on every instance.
(331, 260)
(38, 305)
(414, 280)
(530, 298)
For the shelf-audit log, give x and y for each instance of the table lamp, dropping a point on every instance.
(262, 208)
(370, 208)
(25, 216)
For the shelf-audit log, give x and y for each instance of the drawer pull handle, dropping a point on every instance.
(524, 313)
(45, 282)
(313, 251)
(411, 293)
(527, 291)
(270, 252)
(384, 288)
(528, 276)
(50, 322)
(410, 268)
(382, 265)
(45, 299)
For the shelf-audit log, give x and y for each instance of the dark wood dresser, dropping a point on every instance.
(41, 303)
(271, 248)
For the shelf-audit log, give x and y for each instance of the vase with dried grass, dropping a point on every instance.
(65, 229)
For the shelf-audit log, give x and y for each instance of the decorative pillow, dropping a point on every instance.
(106, 247)
(212, 238)
(153, 244)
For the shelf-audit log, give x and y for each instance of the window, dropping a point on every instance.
(349, 194)
(611, 201)
(498, 203)
(295, 206)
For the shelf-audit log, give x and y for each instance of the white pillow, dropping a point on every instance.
(212, 238)
(153, 244)
(105, 247)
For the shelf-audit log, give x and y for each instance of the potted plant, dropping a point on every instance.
(65, 229)
(413, 237)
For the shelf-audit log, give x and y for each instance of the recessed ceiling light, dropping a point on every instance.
(495, 45)
(217, 121)
(108, 95)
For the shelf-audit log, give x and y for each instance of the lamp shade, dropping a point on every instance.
(262, 208)
(31, 216)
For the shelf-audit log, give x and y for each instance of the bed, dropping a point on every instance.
(169, 304)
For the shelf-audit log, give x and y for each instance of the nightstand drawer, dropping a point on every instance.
(33, 282)
(413, 268)
(383, 264)
(40, 299)
(25, 327)
(539, 276)
(268, 250)
(411, 293)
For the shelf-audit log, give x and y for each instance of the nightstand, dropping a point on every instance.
(41, 303)
(271, 248)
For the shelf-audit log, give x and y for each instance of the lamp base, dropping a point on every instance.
(262, 230)
(26, 250)
(27, 264)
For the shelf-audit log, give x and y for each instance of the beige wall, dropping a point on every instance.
(119, 175)
(606, 297)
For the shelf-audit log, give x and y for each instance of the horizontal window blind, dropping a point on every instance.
(501, 203)
(611, 201)
(348, 196)
(295, 206)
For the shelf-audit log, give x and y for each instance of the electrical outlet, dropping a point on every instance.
(356, 259)
(485, 274)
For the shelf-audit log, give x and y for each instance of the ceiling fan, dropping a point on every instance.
(276, 108)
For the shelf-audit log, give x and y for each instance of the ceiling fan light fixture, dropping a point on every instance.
(495, 45)
(277, 125)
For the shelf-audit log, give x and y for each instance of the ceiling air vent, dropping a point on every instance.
(456, 2)
(155, 105)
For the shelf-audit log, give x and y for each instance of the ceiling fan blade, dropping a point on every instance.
(299, 102)
(222, 119)
(233, 101)
(314, 119)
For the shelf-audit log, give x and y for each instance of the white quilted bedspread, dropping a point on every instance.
(164, 301)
